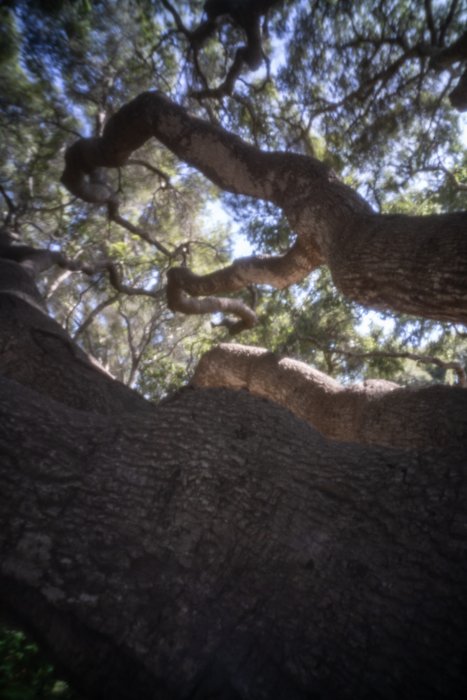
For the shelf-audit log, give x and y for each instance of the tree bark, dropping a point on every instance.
(375, 412)
(37, 352)
(217, 546)
(412, 264)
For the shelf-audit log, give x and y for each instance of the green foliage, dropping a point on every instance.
(24, 672)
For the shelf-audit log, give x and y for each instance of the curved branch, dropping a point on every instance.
(222, 157)
(277, 271)
(178, 20)
(247, 15)
(413, 264)
(367, 413)
(178, 300)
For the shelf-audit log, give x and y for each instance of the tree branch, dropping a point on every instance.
(278, 271)
(152, 168)
(380, 261)
(366, 413)
(92, 315)
(113, 272)
(251, 54)
(460, 186)
(178, 300)
(114, 215)
(456, 366)
(430, 22)
(246, 15)
(444, 58)
(37, 260)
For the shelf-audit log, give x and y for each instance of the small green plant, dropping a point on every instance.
(24, 673)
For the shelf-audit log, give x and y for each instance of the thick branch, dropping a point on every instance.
(251, 54)
(247, 15)
(178, 300)
(411, 264)
(219, 547)
(277, 271)
(366, 413)
(37, 352)
(224, 158)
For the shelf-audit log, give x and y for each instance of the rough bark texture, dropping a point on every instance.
(221, 546)
(217, 546)
(412, 264)
(375, 412)
(36, 351)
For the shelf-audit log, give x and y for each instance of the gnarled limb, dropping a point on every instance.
(36, 351)
(367, 413)
(222, 157)
(277, 271)
(251, 55)
(225, 159)
(178, 300)
(413, 264)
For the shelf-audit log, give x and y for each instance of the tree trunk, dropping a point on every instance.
(217, 546)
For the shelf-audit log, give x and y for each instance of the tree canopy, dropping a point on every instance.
(358, 88)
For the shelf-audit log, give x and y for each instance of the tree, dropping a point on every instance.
(299, 539)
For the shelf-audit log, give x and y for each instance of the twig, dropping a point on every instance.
(112, 208)
(425, 359)
(95, 312)
(152, 168)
